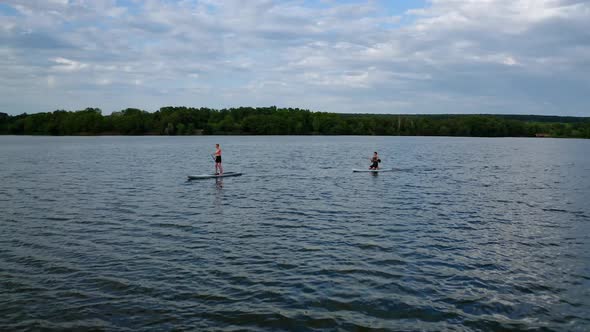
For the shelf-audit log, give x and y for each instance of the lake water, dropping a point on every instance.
(105, 233)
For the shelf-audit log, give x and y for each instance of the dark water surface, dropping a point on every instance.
(104, 233)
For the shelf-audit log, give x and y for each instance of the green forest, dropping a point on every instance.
(286, 121)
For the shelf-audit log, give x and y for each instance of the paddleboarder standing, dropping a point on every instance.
(217, 154)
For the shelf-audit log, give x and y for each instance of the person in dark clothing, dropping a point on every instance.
(375, 161)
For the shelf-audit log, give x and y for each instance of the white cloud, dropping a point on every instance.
(67, 65)
(509, 61)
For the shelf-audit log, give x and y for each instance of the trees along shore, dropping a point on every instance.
(286, 121)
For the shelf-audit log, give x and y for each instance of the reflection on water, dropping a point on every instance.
(218, 194)
(102, 233)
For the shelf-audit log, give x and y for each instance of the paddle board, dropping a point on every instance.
(373, 170)
(213, 176)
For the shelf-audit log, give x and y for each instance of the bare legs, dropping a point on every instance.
(218, 168)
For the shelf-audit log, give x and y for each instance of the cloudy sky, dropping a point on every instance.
(381, 56)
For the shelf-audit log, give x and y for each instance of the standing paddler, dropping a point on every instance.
(217, 154)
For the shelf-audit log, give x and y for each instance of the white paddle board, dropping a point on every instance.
(372, 170)
(213, 176)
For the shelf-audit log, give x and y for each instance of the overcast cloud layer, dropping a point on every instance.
(397, 56)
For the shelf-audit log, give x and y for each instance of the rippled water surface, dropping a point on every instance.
(105, 233)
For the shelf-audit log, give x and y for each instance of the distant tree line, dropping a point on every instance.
(286, 121)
